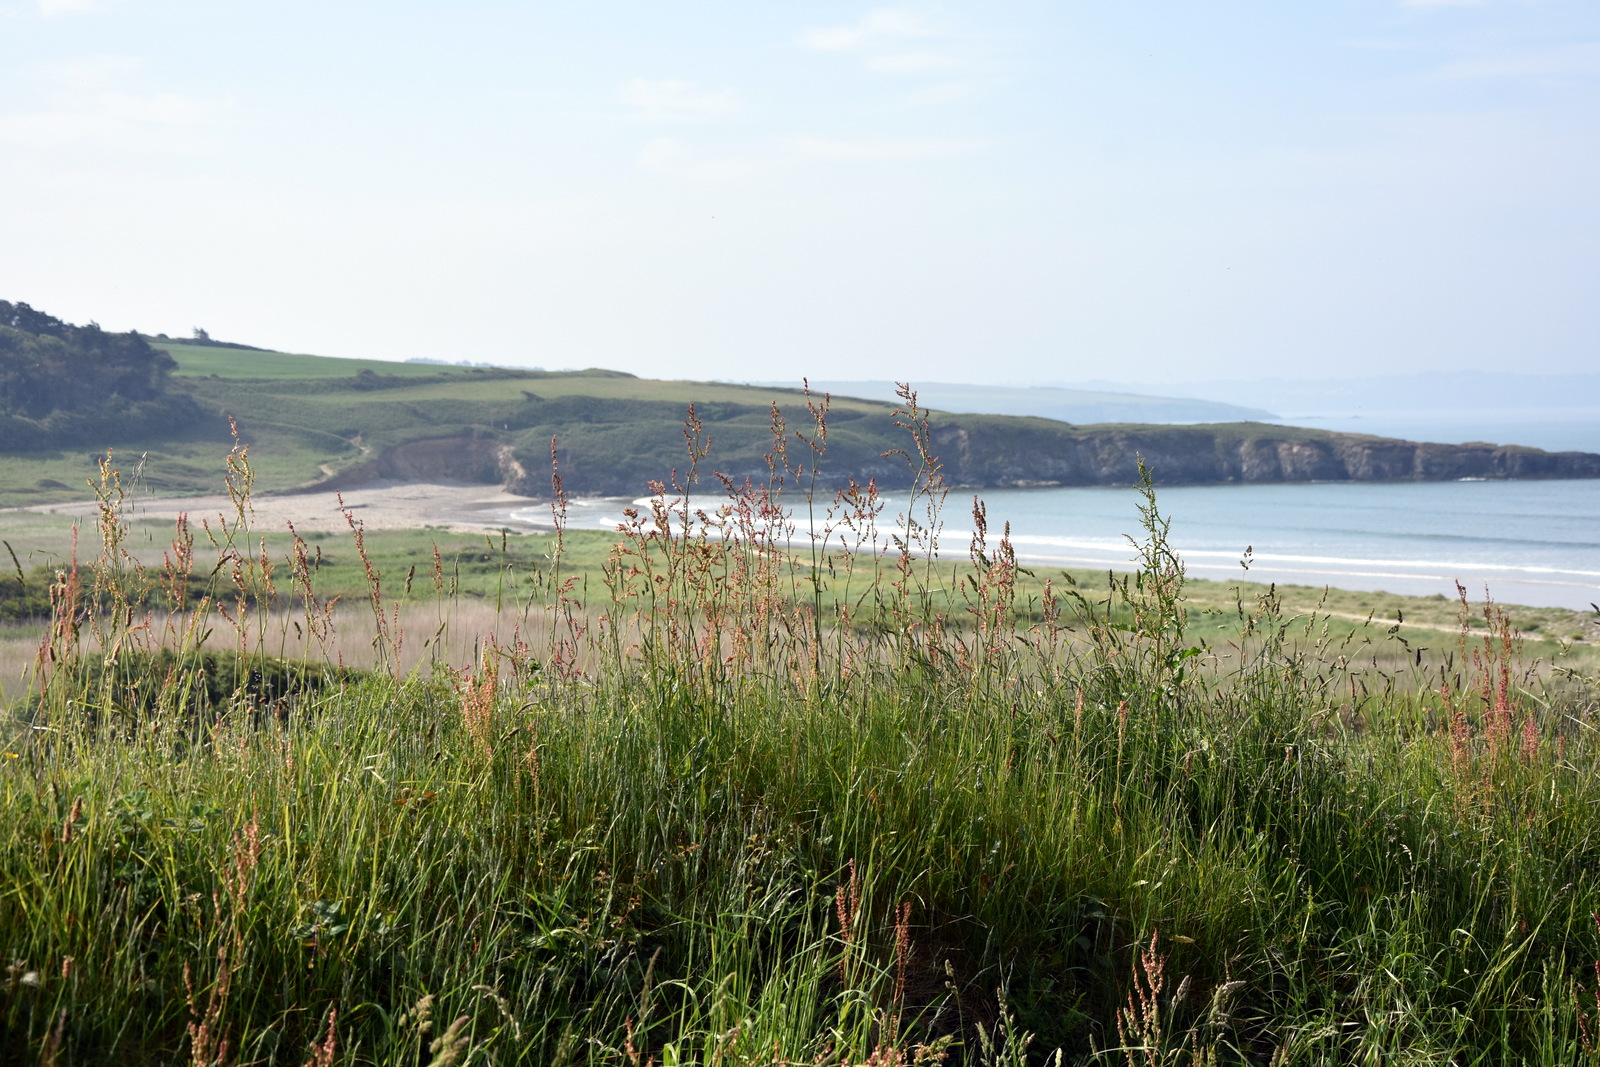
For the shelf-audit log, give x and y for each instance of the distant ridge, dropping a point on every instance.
(1063, 404)
(1463, 390)
(161, 340)
(322, 422)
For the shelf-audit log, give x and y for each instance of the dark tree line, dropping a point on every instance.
(62, 384)
(47, 365)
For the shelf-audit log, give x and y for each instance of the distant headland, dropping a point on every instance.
(69, 392)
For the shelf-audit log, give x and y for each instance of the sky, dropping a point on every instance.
(1014, 191)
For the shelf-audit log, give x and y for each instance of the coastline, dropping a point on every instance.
(1341, 535)
(379, 506)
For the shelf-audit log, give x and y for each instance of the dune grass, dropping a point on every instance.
(708, 800)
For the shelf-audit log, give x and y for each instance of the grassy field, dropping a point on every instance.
(318, 420)
(678, 799)
(501, 573)
(184, 464)
(203, 361)
(309, 417)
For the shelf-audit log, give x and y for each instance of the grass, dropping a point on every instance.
(310, 419)
(203, 361)
(709, 800)
(494, 577)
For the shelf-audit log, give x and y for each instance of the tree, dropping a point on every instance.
(60, 382)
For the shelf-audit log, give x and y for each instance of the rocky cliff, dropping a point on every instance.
(1231, 452)
(620, 457)
(474, 460)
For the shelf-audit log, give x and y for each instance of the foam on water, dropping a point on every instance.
(1529, 542)
(1533, 542)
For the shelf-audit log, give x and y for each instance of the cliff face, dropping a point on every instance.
(442, 460)
(619, 457)
(1245, 452)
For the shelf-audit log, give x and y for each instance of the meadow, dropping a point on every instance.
(690, 794)
(335, 423)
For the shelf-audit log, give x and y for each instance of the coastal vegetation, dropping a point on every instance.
(65, 386)
(337, 423)
(719, 792)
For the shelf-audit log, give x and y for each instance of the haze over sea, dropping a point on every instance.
(1528, 542)
(1555, 429)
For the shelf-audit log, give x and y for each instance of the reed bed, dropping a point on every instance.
(742, 804)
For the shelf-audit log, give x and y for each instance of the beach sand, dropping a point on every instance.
(391, 506)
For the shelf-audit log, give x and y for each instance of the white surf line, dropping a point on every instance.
(1195, 560)
(1274, 557)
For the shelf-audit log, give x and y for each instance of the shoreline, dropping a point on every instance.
(379, 506)
(470, 509)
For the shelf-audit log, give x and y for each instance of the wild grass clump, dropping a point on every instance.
(780, 790)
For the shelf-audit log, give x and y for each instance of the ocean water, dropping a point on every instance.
(1535, 542)
(1532, 542)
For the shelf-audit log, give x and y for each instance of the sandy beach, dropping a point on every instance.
(382, 506)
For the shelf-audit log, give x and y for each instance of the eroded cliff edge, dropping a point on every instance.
(975, 451)
(1230, 452)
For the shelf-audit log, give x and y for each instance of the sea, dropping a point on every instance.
(1523, 542)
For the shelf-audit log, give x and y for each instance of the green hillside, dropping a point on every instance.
(202, 360)
(336, 423)
(616, 431)
(311, 418)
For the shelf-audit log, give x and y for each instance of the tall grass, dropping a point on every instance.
(765, 794)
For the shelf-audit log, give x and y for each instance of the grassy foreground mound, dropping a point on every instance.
(742, 805)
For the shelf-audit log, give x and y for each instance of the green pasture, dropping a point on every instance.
(311, 418)
(203, 361)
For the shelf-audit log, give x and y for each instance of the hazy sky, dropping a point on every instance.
(1002, 191)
